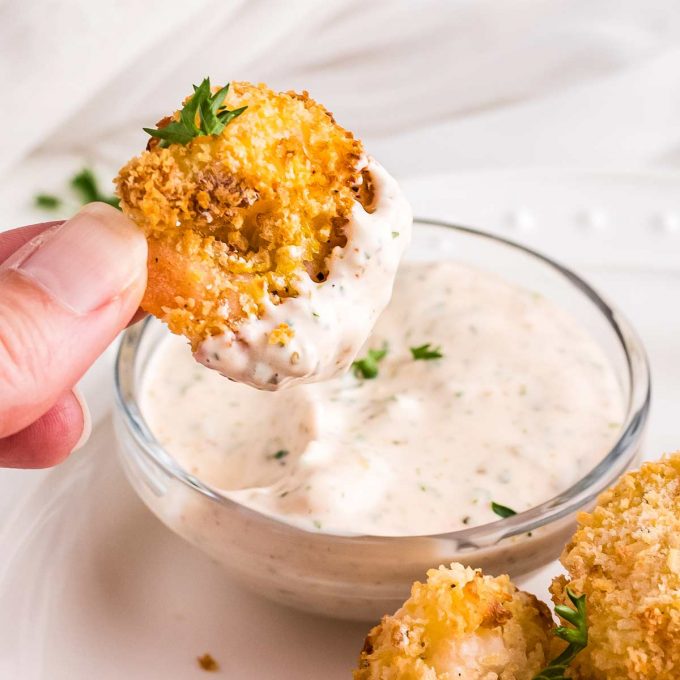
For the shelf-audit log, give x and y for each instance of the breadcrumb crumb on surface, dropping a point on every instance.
(234, 219)
(625, 556)
(460, 624)
(281, 334)
(207, 663)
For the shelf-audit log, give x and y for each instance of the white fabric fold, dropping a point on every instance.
(429, 84)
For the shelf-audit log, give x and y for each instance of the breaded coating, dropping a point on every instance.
(235, 218)
(625, 557)
(460, 624)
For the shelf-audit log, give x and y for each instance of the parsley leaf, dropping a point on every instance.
(86, 188)
(212, 116)
(577, 637)
(47, 201)
(281, 453)
(85, 185)
(425, 353)
(368, 366)
(502, 510)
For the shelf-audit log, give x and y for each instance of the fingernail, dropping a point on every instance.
(86, 262)
(87, 420)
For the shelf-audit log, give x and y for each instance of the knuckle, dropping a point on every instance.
(24, 355)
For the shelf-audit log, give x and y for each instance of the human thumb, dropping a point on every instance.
(63, 298)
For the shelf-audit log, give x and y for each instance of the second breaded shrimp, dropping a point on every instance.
(460, 624)
(625, 557)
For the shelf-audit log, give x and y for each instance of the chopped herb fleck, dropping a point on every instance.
(367, 367)
(424, 352)
(280, 454)
(502, 510)
(86, 186)
(317, 524)
(395, 234)
(577, 637)
(212, 115)
(47, 201)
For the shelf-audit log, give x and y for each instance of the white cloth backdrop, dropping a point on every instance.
(430, 85)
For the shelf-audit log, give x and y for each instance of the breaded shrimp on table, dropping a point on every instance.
(273, 239)
(460, 624)
(625, 558)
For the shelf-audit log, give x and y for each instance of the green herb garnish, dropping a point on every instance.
(212, 116)
(424, 352)
(86, 188)
(47, 201)
(368, 366)
(502, 510)
(281, 453)
(85, 185)
(577, 637)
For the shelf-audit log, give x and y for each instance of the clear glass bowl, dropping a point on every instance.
(362, 577)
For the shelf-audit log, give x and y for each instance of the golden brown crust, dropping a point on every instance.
(625, 556)
(234, 218)
(459, 619)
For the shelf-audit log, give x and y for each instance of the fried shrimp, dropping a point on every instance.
(273, 241)
(625, 557)
(460, 624)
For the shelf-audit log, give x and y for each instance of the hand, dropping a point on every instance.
(66, 290)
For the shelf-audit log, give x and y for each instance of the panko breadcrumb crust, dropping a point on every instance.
(234, 218)
(460, 614)
(625, 556)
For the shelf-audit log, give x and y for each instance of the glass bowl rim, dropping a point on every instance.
(577, 496)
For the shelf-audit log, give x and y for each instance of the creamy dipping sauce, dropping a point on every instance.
(520, 406)
(330, 320)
